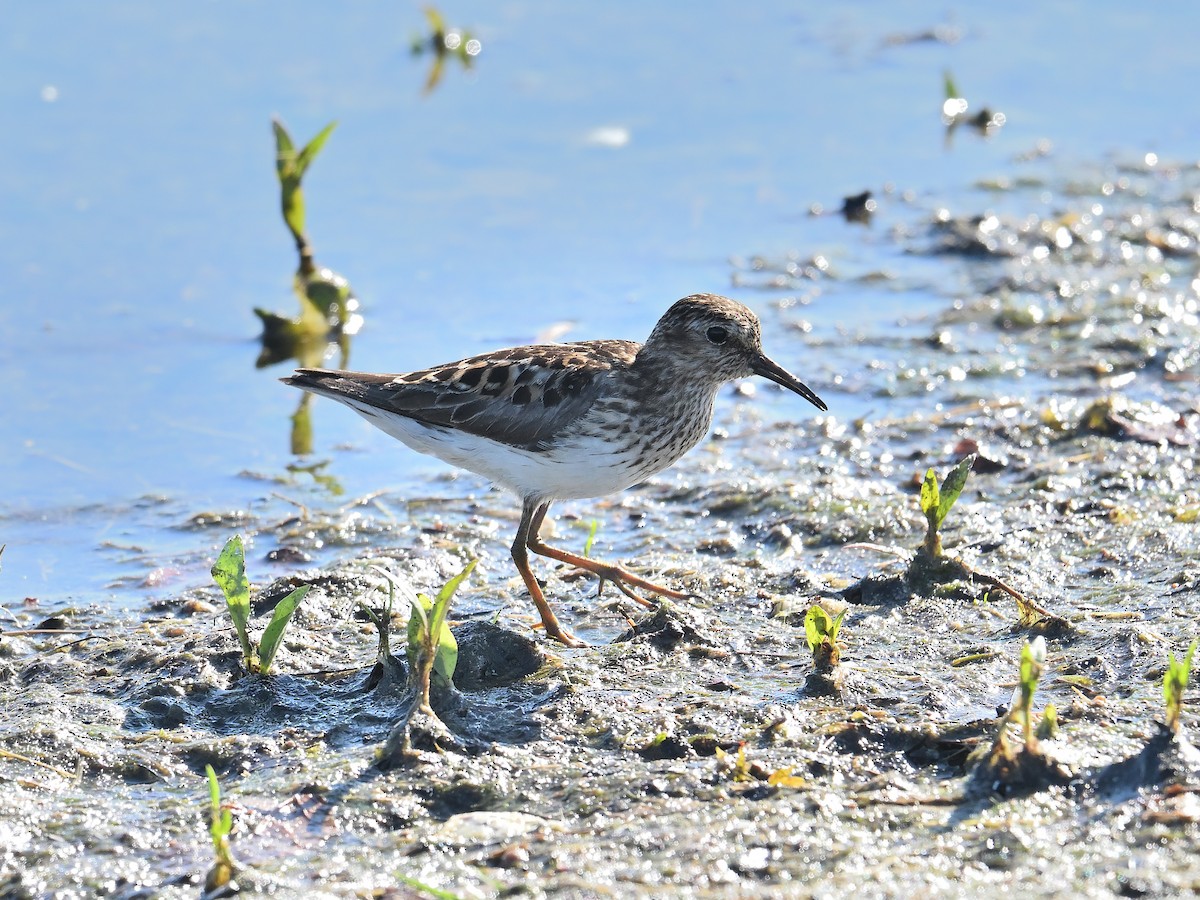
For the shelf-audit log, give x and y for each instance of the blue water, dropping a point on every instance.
(140, 225)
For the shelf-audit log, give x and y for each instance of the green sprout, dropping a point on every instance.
(1048, 726)
(1175, 682)
(383, 621)
(1010, 770)
(936, 502)
(229, 572)
(821, 631)
(930, 565)
(219, 828)
(432, 649)
(1033, 663)
(587, 545)
(738, 765)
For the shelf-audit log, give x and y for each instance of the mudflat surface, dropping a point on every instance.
(690, 751)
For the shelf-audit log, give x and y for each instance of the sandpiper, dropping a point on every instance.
(567, 421)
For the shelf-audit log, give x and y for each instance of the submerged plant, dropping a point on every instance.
(936, 502)
(229, 572)
(219, 828)
(432, 649)
(1175, 682)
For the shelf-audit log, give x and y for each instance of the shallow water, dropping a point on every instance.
(593, 166)
(1042, 305)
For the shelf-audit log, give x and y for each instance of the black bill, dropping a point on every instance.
(774, 372)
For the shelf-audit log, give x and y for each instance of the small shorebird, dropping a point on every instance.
(567, 421)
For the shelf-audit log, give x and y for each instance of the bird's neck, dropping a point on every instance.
(663, 377)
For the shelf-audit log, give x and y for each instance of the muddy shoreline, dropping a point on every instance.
(689, 755)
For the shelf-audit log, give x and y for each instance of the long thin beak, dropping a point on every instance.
(772, 371)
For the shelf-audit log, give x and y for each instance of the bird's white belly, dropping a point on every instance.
(583, 468)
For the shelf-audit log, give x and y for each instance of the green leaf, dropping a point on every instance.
(953, 486)
(273, 634)
(816, 627)
(427, 627)
(214, 787)
(1048, 726)
(418, 630)
(220, 821)
(1175, 682)
(929, 496)
(229, 572)
(447, 653)
(285, 152)
(305, 157)
(446, 659)
(436, 23)
(836, 625)
(591, 538)
(451, 586)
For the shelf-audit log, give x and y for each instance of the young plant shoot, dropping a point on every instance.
(229, 572)
(936, 502)
(1175, 682)
(821, 631)
(432, 649)
(1033, 663)
(219, 828)
(591, 538)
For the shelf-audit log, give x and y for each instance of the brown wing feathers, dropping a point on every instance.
(559, 381)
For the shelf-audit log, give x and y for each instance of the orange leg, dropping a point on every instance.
(529, 513)
(622, 578)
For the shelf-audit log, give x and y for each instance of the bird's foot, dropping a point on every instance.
(625, 580)
(563, 636)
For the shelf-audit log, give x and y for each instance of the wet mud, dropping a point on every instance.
(692, 750)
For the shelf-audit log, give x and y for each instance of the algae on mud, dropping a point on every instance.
(597, 770)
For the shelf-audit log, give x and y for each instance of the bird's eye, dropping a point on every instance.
(717, 335)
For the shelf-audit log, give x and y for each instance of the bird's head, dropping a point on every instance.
(717, 340)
